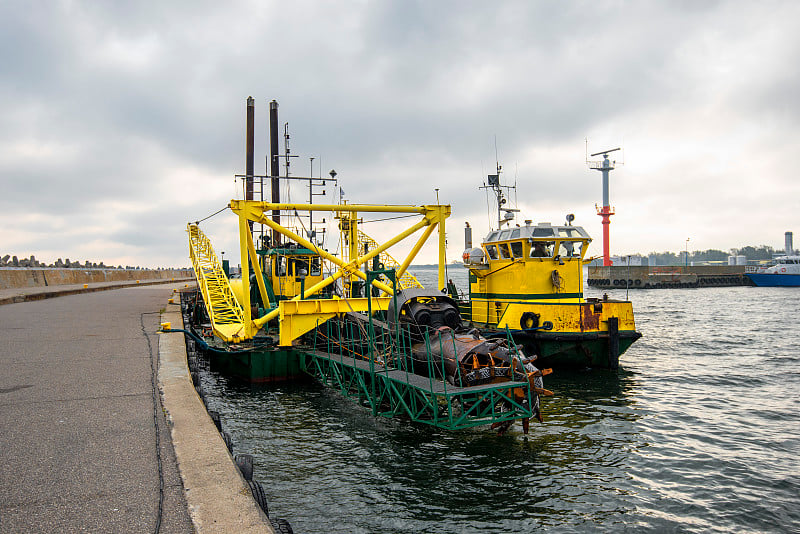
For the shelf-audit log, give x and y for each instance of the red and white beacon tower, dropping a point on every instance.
(606, 211)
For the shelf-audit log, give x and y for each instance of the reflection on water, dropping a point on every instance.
(697, 432)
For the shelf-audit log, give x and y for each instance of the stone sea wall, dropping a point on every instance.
(11, 277)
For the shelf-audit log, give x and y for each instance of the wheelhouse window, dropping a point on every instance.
(298, 267)
(542, 249)
(316, 270)
(280, 266)
(491, 250)
(505, 253)
(516, 249)
(570, 249)
(544, 231)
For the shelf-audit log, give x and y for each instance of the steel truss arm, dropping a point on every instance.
(434, 216)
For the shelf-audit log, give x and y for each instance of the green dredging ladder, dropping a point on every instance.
(374, 367)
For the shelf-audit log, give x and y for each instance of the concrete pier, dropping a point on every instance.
(53, 278)
(666, 277)
(84, 441)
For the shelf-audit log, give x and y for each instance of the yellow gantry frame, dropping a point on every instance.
(405, 280)
(357, 240)
(433, 217)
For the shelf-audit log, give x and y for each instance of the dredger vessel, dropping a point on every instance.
(360, 322)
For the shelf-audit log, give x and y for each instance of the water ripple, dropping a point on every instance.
(698, 432)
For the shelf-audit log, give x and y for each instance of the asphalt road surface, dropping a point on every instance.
(84, 446)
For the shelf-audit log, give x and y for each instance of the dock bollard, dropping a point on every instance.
(166, 327)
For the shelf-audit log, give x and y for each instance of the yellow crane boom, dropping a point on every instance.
(225, 312)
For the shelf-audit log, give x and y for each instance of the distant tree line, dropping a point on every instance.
(12, 261)
(763, 252)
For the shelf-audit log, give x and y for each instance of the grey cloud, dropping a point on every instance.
(400, 97)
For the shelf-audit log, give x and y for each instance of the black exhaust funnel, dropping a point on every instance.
(274, 165)
(251, 108)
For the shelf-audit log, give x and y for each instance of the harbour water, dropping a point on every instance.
(697, 432)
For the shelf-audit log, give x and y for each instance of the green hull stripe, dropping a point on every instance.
(525, 296)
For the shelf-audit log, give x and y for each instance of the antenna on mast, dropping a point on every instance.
(496, 159)
(504, 215)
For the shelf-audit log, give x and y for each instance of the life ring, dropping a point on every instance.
(529, 320)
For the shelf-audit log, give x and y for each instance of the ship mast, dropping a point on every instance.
(504, 215)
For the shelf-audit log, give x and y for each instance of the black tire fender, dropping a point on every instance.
(216, 419)
(258, 494)
(529, 320)
(281, 526)
(245, 464)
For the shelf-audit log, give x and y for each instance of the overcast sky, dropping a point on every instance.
(121, 122)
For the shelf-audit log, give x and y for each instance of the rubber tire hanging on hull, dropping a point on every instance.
(529, 320)
(258, 494)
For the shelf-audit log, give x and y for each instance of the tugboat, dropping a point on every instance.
(528, 281)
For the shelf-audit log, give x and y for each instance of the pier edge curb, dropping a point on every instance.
(218, 497)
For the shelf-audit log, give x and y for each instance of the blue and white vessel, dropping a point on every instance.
(785, 273)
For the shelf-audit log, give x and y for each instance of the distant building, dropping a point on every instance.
(634, 260)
